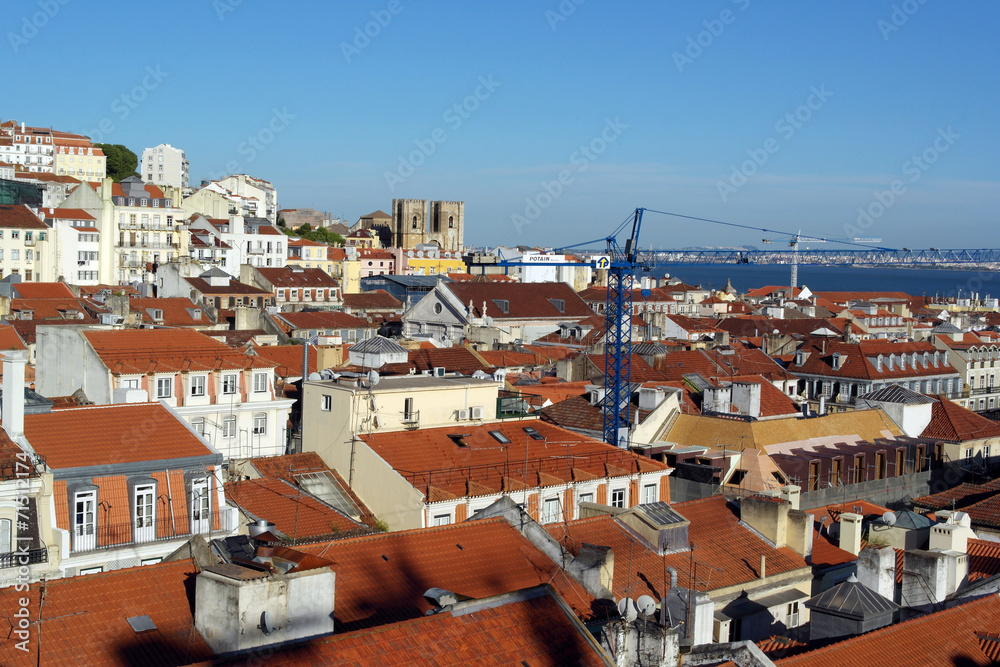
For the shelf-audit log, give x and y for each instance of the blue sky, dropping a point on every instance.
(551, 120)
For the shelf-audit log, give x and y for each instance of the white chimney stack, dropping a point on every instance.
(850, 532)
(12, 407)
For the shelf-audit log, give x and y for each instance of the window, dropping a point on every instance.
(85, 521)
(408, 413)
(229, 383)
(15, 254)
(442, 519)
(200, 505)
(294, 295)
(586, 497)
(260, 382)
(143, 517)
(327, 403)
(792, 615)
(6, 538)
(649, 493)
(229, 427)
(551, 511)
(163, 387)
(618, 498)
(968, 454)
(986, 452)
(197, 385)
(281, 295)
(198, 425)
(259, 424)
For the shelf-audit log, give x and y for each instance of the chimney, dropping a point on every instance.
(792, 494)
(763, 566)
(847, 331)
(876, 570)
(850, 532)
(12, 407)
(822, 405)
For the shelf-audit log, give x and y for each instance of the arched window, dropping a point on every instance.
(451, 222)
(414, 222)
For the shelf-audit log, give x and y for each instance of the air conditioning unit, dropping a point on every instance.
(439, 371)
(476, 412)
(463, 414)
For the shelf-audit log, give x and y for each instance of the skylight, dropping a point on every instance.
(500, 437)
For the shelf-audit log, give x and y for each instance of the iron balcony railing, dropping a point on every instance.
(29, 557)
(109, 536)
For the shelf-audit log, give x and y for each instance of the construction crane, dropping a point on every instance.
(797, 238)
(621, 265)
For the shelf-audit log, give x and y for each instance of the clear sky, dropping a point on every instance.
(551, 120)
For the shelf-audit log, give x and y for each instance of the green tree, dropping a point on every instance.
(121, 162)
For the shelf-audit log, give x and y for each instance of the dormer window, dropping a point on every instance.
(503, 305)
(558, 304)
(936, 358)
(837, 361)
(878, 363)
(800, 357)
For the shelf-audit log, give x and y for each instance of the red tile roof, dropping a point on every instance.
(482, 461)
(233, 287)
(950, 637)
(51, 309)
(855, 361)
(83, 619)
(289, 277)
(518, 631)
(725, 553)
(950, 421)
(108, 434)
(67, 214)
(288, 358)
(375, 300)
(175, 311)
(144, 351)
(506, 358)
(9, 340)
(525, 300)
(19, 217)
(294, 513)
(957, 497)
(325, 319)
(382, 578)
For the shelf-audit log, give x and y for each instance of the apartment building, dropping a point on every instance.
(24, 244)
(225, 394)
(165, 165)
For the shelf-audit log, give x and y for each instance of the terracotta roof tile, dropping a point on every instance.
(288, 358)
(108, 434)
(949, 637)
(382, 578)
(299, 277)
(84, 619)
(296, 514)
(524, 300)
(145, 351)
(431, 457)
(536, 631)
(726, 553)
(374, 300)
(950, 421)
(19, 217)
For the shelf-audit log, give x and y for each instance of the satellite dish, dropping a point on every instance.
(373, 378)
(646, 605)
(266, 625)
(628, 610)
(314, 377)
(889, 518)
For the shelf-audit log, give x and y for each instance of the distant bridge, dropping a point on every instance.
(987, 257)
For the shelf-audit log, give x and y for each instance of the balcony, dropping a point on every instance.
(255, 251)
(984, 391)
(410, 419)
(20, 558)
(29, 242)
(164, 528)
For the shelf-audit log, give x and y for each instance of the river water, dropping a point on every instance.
(916, 282)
